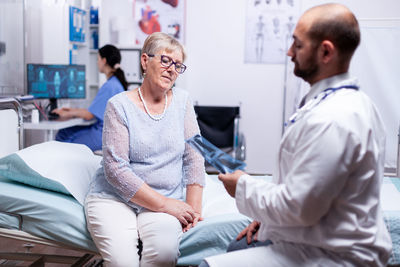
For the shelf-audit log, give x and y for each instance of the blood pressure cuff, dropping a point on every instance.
(220, 160)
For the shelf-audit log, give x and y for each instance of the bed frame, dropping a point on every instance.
(39, 259)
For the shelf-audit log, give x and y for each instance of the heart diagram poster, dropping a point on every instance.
(166, 16)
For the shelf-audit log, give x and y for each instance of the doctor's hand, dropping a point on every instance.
(250, 231)
(230, 180)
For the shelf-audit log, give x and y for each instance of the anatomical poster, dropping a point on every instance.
(269, 28)
(166, 16)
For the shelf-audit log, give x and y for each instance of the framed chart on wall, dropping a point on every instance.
(77, 26)
(166, 16)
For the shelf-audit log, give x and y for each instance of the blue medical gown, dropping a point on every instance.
(92, 135)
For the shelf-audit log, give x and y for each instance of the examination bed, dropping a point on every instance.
(55, 218)
(59, 219)
(42, 190)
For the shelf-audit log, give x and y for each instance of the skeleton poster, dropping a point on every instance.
(269, 27)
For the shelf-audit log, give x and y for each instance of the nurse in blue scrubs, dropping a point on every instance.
(108, 61)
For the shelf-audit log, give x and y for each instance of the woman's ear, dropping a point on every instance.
(144, 59)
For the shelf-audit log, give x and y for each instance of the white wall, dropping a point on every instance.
(11, 34)
(47, 28)
(364, 9)
(218, 76)
(116, 26)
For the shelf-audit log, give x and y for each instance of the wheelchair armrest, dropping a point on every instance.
(240, 152)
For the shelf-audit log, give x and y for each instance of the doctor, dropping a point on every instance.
(323, 207)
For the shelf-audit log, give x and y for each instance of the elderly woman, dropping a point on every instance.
(149, 189)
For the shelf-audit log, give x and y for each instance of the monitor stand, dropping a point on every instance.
(52, 104)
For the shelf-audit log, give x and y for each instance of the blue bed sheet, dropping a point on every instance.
(391, 213)
(47, 214)
(60, 218)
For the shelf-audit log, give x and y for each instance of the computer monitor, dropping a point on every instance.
(56, 81)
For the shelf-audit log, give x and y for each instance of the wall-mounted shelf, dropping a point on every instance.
(81, 44)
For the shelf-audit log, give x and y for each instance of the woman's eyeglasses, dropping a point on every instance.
(166, 61)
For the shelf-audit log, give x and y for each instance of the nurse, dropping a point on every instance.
(108, 62)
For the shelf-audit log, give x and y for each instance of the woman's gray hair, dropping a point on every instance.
(161, 41)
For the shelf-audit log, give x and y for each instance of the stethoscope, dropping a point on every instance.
(316, 101)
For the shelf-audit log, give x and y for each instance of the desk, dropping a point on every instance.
(53, 126)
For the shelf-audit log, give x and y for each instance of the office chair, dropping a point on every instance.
(220, 126)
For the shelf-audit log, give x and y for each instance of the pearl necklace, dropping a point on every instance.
(158, 117)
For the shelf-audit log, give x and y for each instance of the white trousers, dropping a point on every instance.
(116, 229)
(280, 254)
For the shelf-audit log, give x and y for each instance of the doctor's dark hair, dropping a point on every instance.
(113, 59)
(343, 32)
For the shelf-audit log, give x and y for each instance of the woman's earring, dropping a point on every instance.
(144, 75)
